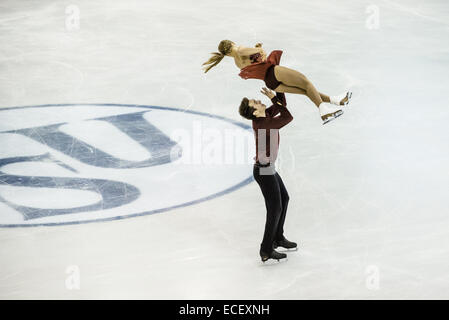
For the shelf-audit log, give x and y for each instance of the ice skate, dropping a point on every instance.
(273, 255)
(284, 243)
(329, 112)
(342, 99)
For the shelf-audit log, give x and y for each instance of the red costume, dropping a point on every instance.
(268, 127)
(263, 70)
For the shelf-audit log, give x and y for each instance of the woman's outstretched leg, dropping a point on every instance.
(340, 100)
(287, 89)
(293, 78)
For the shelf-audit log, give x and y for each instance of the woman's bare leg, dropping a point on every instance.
(293, 78)
(287, 89)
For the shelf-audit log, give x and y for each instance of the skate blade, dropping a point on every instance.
(349, 96)
(280, 249)
(334, 116)
(272, 262)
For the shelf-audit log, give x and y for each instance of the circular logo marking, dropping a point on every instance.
(77, 163)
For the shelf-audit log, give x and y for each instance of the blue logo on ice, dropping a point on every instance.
(63, 164)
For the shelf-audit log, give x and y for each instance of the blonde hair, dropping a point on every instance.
(224, 48)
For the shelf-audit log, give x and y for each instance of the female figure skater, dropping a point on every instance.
(253, 63)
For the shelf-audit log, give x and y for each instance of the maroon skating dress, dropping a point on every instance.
(263, 70)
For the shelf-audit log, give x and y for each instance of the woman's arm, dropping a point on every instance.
(243, 51)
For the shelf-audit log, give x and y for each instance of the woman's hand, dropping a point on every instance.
(270, 94)
(263, 55)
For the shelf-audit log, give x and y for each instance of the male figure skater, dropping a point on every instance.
(266, 125)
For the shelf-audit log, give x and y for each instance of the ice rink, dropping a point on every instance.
(94, 204)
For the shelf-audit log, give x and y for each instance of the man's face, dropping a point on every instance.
(259, 106)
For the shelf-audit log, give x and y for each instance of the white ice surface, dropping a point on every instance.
(367, 190)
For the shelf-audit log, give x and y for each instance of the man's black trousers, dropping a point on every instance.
(276, 202)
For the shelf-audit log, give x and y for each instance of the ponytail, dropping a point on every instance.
(213, 61)
(224, 48)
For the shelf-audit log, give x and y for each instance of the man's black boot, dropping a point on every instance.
(272, 255)
(284, 243)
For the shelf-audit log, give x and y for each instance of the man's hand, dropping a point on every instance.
(270, 94)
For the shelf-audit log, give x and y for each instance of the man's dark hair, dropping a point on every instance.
(245, 110)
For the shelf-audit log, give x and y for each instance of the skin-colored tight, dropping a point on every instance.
(295, 82)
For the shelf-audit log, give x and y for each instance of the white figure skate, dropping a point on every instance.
(337, 99)
(328, 112)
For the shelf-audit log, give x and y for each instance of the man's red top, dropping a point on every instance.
(266, 129)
